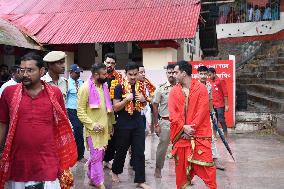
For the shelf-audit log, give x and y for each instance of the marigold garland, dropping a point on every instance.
(118, 79)
(140, 87)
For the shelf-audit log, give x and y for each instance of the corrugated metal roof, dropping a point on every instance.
(89, 21)
(11, 35)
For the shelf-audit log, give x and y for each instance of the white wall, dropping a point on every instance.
(157, 58)
(250, 28)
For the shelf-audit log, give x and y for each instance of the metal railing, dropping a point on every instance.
(243, 11)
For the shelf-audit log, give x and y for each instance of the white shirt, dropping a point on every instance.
(8, 83)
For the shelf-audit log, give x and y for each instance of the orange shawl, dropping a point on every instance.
(197, 113)
(65, 142)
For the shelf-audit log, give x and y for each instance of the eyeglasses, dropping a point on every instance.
(112, 63)
(26, 70)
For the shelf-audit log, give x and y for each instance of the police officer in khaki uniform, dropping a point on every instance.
(162, 125)
(56, 65)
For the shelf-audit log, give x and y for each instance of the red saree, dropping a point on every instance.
(194, 156)
(65, 142)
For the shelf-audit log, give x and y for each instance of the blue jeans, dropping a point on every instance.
(220, 114)
(78, 132)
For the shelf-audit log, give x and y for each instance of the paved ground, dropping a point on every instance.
(259, 165)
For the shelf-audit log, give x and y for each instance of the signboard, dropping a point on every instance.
(225, 69)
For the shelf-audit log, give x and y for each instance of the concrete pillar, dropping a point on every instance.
(68, 60)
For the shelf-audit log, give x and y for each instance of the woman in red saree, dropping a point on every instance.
(190, 130)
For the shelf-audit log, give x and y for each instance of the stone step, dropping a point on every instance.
(274, 81)
(281, 53)
(274, 104)
(246, 127)
(280, 124)
(257, 107)
(270, 81)
(246, 75)
(267, 90)
(244, 81)
(276, 67)
(244, 116)
(280, 60)
(274, 74)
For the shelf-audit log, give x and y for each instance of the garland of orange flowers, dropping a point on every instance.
(118, 79)
(126, 89)
(140, 88)
(151, 89)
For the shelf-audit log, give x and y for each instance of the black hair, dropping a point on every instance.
(185, 66)
(202, 69)
(96, 67)
(4, 66)
(34, 56)
(15, 69)
(110, 55)
(131, 66)
(141, 66)
(170, 66)
(212, 70)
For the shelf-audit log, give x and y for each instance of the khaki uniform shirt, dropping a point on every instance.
(62, 83)
(161, 97)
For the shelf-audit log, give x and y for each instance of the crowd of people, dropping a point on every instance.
(249, 13)
(105, 116)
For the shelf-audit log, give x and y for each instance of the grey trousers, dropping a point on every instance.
(163, 143)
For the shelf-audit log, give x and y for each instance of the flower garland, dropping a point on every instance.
(118, 79)
(126, 89)
(151, 89)
(140, 88)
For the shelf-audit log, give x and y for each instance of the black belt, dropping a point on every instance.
(36, 186)
(165, 118)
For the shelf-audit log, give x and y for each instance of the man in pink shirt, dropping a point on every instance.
(220, 98)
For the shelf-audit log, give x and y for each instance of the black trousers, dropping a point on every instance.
(110, 151)
(136, 139)
(220, 114)
(78, 132)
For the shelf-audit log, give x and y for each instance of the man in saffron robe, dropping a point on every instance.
(96, 114)
(40, 146)
(190, 129)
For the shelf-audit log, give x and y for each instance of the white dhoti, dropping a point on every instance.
(21, 185)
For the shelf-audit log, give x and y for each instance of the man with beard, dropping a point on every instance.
(74, 83)
(190, 129)
(162, 126)
(203, 75)
(113, 79)
(96, 114)
(40, 146)
(16, 78)
(56, 65)
(130, 129)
